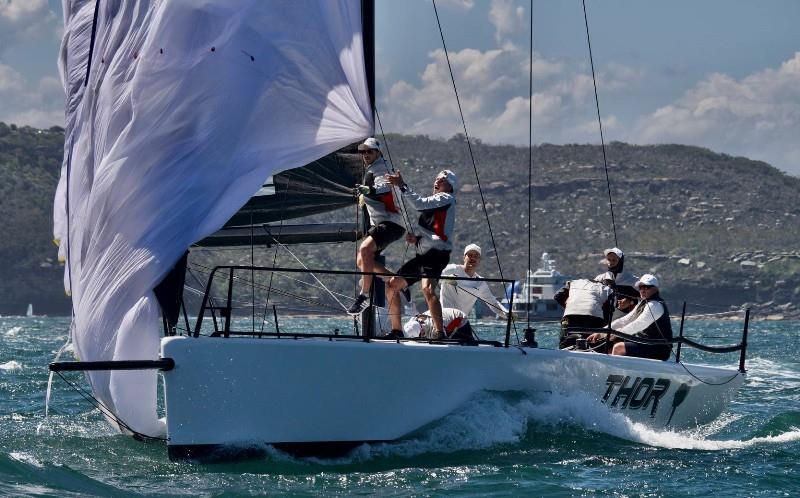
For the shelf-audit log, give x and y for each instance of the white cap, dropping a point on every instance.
(647, 279)
(412, 328)
(370, 144)
(450, 176)
(615, 250)
(472, 247)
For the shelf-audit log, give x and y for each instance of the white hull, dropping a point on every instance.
(313, 391)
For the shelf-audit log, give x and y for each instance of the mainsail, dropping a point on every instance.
(187, 108)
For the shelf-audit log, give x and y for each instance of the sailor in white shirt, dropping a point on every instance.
(462, 294)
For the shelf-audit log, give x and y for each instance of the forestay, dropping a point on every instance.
(189, 107)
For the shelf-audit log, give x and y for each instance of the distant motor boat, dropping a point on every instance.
(537, 292)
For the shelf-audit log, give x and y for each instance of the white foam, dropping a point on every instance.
(25, 458)
(11, 365)
(491, 419)
(13, 331)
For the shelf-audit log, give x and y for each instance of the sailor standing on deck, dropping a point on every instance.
(433, 238)
(385, 217)
(462, 294)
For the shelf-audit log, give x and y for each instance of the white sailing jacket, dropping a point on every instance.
(462, 294)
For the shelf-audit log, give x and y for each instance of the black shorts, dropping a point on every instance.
(384, 233)
(652, 351)
(427, 265)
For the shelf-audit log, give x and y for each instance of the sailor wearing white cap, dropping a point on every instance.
(433, 237)
(462, 294)
(649, 320)
(622, 281)
(385, 218)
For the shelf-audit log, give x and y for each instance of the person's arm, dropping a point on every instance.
(561, 296)
(652, 312)
(485, 294)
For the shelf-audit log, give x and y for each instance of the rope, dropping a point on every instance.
(706, 382)
(406, 218)
(600, 123)
(107, 412)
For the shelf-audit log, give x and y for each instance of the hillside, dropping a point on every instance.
(717, 229)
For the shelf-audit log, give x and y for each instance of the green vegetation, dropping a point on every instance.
(712, 226)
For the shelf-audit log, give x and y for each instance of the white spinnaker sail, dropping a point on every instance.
(189, 106)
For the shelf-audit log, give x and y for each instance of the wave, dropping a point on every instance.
(11, 365)
(13, 331)
(498, 419)
(22, 474)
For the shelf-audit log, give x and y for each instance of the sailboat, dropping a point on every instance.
(176, 113)
(29, 311)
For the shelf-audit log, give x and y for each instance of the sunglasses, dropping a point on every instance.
(642, 286)
(365, 152)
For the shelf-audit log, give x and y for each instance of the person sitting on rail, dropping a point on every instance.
(456, 326)
(462, 294)
(433, 239)
(586, 304)
(649, 320)
(385, 218)
(615, 268)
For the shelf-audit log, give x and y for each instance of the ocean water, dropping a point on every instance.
(494, 445)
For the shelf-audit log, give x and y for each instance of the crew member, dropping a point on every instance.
(433, 236)
(462, 294)
(586, 304)
(385, 218)
(649, 320)
(456, 325)
(622, 281)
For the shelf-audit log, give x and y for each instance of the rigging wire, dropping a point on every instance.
(469, 148)
(466, 136)
(530, 170)
(600, 124)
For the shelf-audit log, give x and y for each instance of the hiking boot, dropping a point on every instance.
(394, 334)
(358, 306)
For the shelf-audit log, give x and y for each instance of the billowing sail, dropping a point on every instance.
(189, 106)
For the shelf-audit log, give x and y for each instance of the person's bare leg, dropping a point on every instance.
(434, 305)
(366, 262)
(393, 288)
(619, 349)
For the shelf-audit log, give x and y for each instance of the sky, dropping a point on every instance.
(714, 73)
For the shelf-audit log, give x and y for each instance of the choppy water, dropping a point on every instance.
(493, 445)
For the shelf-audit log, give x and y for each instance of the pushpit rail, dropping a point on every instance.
(225, 311)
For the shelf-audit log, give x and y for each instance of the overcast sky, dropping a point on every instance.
(715, 73)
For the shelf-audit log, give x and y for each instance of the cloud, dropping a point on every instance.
(34, 103)
(25, 20)
(757, 116)
(458, 4)
(506, 19)
(493, 88)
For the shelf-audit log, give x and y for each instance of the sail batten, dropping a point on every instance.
(189, 106)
